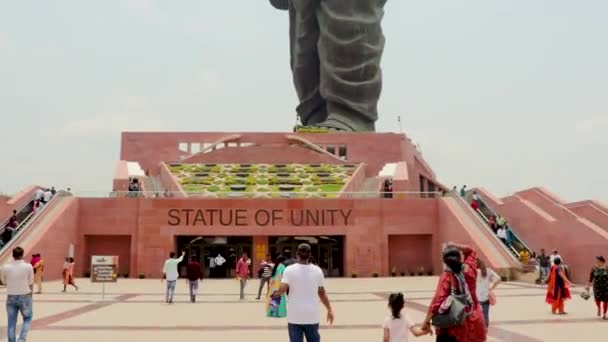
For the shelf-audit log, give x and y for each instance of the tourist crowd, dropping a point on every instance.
(459, 310)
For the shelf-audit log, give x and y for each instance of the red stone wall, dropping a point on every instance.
(577, 241)
(408, 253)
(119, 245)
(53, 239)
(152, 238)
(590, 211)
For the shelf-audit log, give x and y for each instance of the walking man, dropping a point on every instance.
(194, 273)
(265, 274)
(19, 279)
(170, 273)
(544, 262)
(304, 282)
(242, 273)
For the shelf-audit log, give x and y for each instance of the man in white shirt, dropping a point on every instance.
(38, 194)
(170, 273)
(304, 282)
(19, 279)
(47, 196)
(554, 256)
(502, 235)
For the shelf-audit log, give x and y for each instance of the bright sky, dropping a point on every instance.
(500, 94)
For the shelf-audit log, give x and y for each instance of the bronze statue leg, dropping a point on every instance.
(304, 36)
(350, 50)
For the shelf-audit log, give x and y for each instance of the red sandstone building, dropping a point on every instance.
(264, 193)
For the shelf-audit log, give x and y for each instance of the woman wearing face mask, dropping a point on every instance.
(460, 276)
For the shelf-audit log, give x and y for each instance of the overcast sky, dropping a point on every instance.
(500, 94)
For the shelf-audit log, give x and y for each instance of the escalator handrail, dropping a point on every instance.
(23, 226)
(5, 223)
(513, 231)
(479, 219)
(487, 221)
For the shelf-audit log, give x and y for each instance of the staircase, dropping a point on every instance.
(153, 187)
(370, 188)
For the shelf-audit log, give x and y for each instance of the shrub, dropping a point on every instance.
(87, 274)
(142, 276)
(354, 275)
(375, 275)
(402, 274)
(126, 275)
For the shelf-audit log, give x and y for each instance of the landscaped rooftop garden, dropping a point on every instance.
(262, 180)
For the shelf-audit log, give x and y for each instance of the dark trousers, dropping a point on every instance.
(446, 338)
(298, 331)
(263, 281)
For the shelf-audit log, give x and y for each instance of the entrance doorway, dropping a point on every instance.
(328, 251)
(210, 251)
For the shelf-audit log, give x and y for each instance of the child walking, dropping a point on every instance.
(397, 324)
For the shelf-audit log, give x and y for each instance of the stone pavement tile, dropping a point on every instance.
(328, 335)
(579, 332)
(42, 310)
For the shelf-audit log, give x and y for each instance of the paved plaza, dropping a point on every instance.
(134, 310)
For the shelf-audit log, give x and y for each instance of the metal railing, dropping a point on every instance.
(485, 225)
(482, 206)
(19, 210)
(262, 194)
(24, 225)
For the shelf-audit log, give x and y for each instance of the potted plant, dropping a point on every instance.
(429, 273)
(87, 274)
(353, 275)
(394, 272)
(126, 274)
(421, 271)
(403, 273)
(412, 273)
(375, 275)
(142, 276)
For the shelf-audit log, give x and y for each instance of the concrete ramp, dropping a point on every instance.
(591, 211)
(544, 223)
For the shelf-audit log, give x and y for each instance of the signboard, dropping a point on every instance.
(104, 269)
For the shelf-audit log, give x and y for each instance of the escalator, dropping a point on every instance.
(23, 215)
(486, 213)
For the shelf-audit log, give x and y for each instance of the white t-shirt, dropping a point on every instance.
(398, 327)
(502, 233)
(47, 195)
(38, 194)
(170, 268)
(483, 284)
(303, 301)
(18, 276)
(552, 258)
(476, 197)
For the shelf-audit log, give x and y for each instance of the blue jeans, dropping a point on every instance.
(170, 290)
(485, 306)
(298, 331)
(544, 273)
(14, 305)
